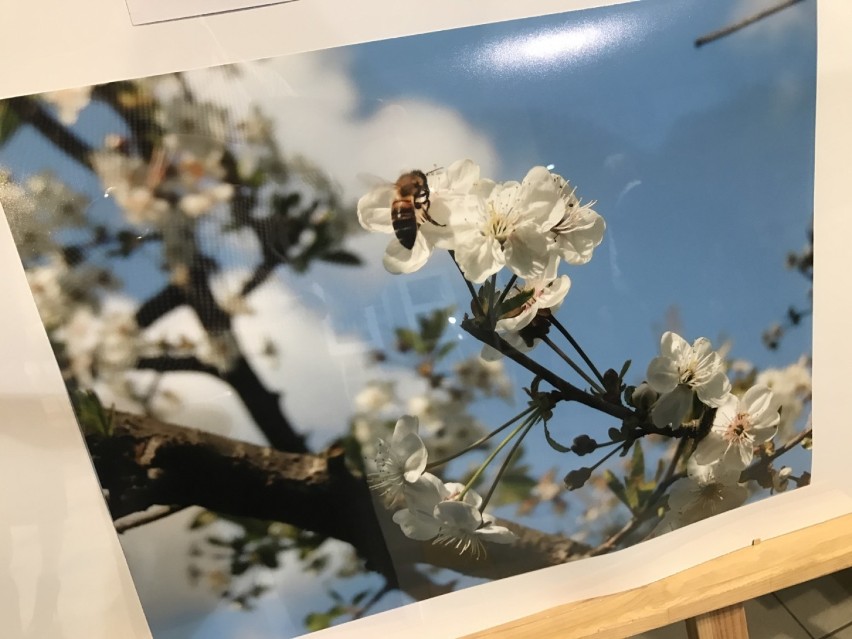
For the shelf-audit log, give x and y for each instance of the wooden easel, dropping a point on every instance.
(709, 596)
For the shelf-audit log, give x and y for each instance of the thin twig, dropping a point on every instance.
(505, 465)
(372, 601)
(480, 441)
(733, 28)
(559, 327)
(569, 392)
(571, 363)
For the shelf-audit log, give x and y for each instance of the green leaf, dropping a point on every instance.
(444, 350)
(637, 464)
(322, 620)
(624, 369)
(515, 302)
(432, 326)
(94, 420)
(408, 340)
(617, 488)
(515, 486)
(555, 445)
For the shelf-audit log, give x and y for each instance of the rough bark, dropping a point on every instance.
(145, 462)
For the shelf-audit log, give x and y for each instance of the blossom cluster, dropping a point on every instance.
(450, 514)
(682, 373)
(527, 227)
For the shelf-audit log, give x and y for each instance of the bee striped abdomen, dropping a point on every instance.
(410, 206)
(404, 221)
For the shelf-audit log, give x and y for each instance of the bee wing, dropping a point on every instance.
(374, 207)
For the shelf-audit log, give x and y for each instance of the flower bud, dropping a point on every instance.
(577, 478)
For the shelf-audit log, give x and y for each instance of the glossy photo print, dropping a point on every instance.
(352, 329)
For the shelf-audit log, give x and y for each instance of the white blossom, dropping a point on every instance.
(131, 183)
(508, 227)
(105, 344)
(54, 306)
(118, 347)
(400, 462)
(791, 385)
(580, 230)
(706, 491)
(375, 397)
(679, 371)
(435, 511)
(740, 424)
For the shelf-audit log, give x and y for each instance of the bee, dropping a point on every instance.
(410, 207)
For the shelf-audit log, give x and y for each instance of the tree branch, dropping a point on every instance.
(569, 392)
(30, 111)
(733, 28)
(145, 462)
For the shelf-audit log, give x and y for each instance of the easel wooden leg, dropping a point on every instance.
(725, 623)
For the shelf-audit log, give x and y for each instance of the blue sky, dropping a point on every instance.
(701, 162)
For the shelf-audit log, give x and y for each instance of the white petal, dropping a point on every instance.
(399, 259)
(759, 401)
(671, 408)
(479, 258)
(424, 494)
(527, 251)
(405, 425)
(458, 514)
(673, 345)
(714, 392)
(662, 374)
(417, 525)
(711, 449)
(374, 209)
(496, 534)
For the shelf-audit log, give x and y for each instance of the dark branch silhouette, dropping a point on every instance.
(742, 24)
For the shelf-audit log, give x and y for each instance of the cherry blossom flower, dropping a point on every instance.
(417, 520)
(54, 306)
(435, 511)
(131, 182)
(547, 296)
(740, 425)
(466, 529)
(401, 462)
(707, 490)
(450, 188)
(509, 228)
(375, 396)
(580, 230)
(792, 387)
(679, 371)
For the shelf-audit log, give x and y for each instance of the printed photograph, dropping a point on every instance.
(351, 329)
